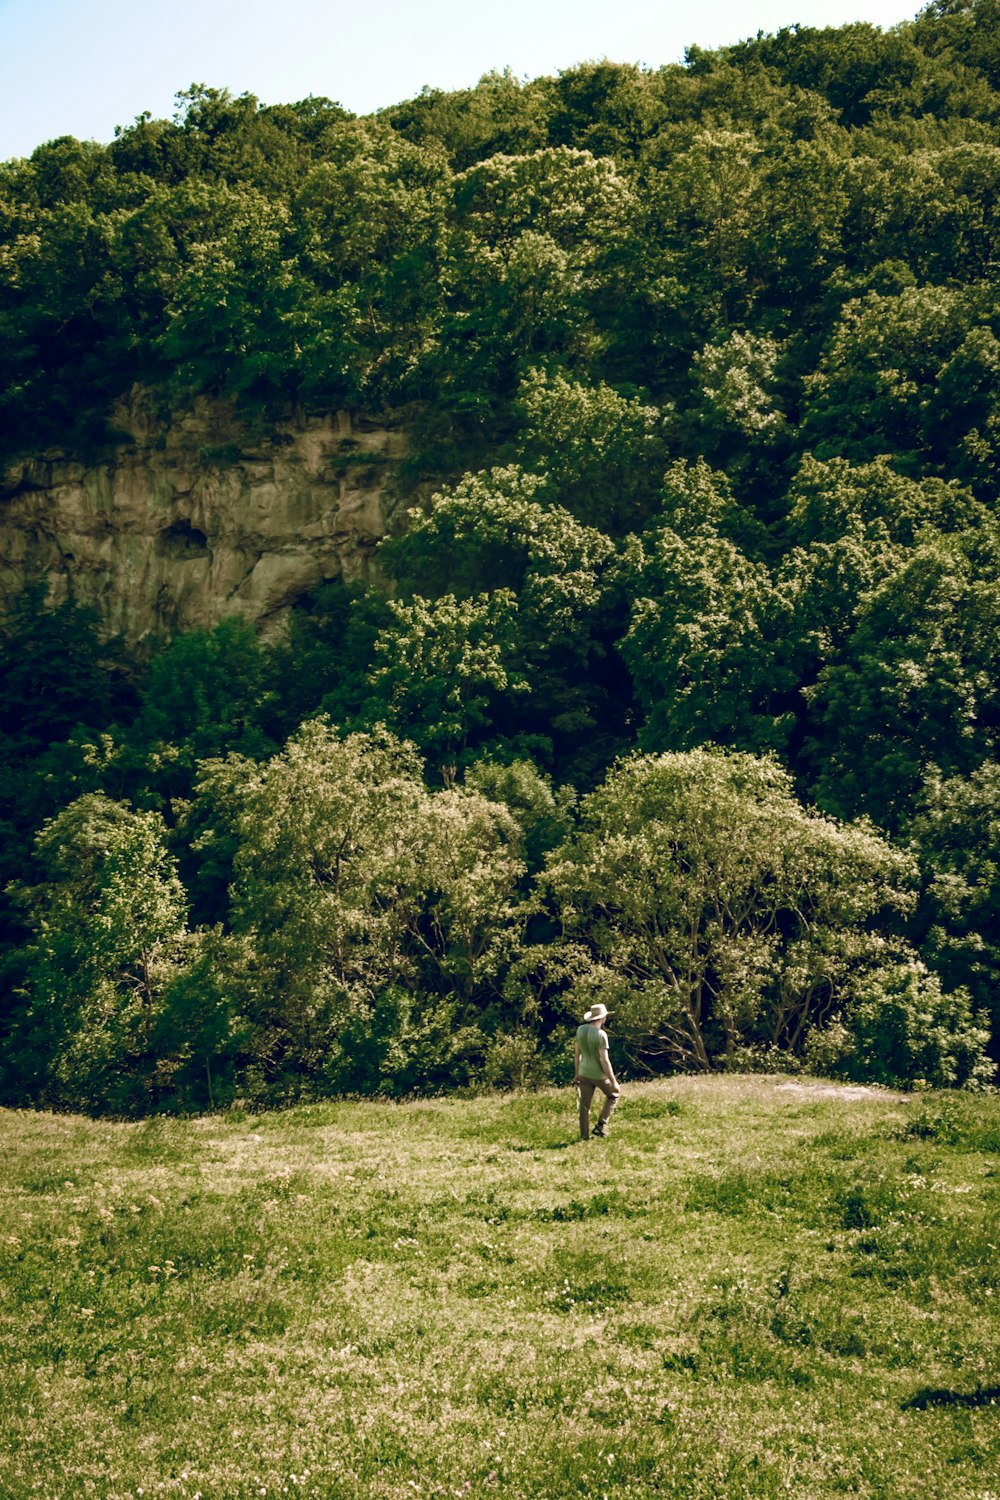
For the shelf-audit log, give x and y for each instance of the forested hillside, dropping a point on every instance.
(684, 691)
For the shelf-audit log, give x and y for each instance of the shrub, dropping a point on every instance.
(829, 1049)
(513, 1061)
(906, 1030)
(761, 1057)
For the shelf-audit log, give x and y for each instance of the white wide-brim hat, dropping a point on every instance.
(597, 1013)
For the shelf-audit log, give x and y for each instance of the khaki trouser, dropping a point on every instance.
(586, 1088)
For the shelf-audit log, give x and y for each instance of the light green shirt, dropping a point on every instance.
(593, 1046)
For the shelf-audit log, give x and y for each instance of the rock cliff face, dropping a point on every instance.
(185, 523)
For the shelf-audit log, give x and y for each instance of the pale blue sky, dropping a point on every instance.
(70, 68)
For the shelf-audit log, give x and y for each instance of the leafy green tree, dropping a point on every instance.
(494, 532)
(703, 643)
(855, 525)
(963, 32)
(226, 138)
(57, 672)
(931, 208)
(374, 911)
(827, 585)
(473, 908)
(65, 170)
(491, 532)
(695, 499)
(904, 1027)
(206, 837)
(370, 224)
(55, 322)
(567, 195)
(956, 832)
(862, 70)
(716, 908)
(208, 692)
(531, 271)
(915, 686)
(151, 151)
(543, 813)
(712, 194)
(230, 322)
(883, 385)
(608, 108)
(61, 683)
(834, 499)
(801, 240)
(499, 116)
(321, 882)
(443, 670)
(602, 454)
(964, 420)
(737, 376)
(109, 941)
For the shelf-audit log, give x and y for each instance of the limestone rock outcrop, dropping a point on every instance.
(188, 521)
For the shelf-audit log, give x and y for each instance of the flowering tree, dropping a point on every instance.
(441, 667)
(714, 906)
(371, 913)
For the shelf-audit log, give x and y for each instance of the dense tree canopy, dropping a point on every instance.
(681, 684)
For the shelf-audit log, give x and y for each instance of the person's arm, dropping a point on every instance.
(609, 1072)
(576, 1062)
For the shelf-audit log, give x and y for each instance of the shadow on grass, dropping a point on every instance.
(560, 1145)
(983, 1395)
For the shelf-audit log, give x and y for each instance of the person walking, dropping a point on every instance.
(592, 1070)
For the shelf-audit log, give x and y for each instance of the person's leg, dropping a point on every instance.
(610, 1101)
(586, 1088)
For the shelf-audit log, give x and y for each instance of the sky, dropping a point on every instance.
(69, 68)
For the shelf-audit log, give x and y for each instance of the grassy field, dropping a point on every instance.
(754, 1288)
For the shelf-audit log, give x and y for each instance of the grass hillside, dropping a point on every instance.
(754, 1288)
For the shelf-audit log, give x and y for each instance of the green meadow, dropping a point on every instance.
(755, 1287)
